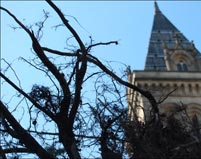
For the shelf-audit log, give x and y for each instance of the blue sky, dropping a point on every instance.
(129, 22)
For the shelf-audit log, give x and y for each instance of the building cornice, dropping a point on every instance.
(167, 75)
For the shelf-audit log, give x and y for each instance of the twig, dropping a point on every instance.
(101, 43)
(166, 96)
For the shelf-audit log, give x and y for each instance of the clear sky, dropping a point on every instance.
(129, 22)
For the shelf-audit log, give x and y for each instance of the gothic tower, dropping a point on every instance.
(172, 72)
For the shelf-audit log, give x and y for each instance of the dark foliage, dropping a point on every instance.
(170, 140)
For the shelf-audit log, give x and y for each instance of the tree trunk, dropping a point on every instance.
(106, 153)
(67, 137)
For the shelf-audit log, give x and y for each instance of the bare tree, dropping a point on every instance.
(62, 104)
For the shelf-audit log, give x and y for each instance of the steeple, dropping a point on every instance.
(163, 34)
(157, 10)
(161, 22)
(173, 64)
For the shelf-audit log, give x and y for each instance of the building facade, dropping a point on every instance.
(172, 73)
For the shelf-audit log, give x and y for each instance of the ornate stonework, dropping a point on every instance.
(172, 73)
(177, 89)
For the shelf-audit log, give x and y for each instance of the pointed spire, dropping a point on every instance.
(162, 35)
(157, 10)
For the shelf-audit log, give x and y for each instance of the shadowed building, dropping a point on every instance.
(173, 64)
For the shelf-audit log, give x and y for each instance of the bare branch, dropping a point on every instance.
(101, 43)
(147, 94)
(9, 66)
(166, 96)
(42, 71)
(2, 153)
(53, 69)
(65, 21)
(24, 137)
(16, 150)
(27, 96)
(41, 25)
(59, 52)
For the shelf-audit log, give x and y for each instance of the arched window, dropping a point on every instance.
(182, 67)
(185, 68)
(179, 67)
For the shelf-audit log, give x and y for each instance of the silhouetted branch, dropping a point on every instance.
(23, 136)
(27, 96)
(101, 43)
(16, 150)
(161, 100)
(59, 52)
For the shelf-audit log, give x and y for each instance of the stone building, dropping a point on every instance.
(172, 72)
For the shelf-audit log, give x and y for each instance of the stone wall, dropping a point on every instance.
(177, 89)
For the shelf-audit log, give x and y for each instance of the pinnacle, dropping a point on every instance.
(157, 10)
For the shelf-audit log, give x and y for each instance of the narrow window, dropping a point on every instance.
(179, 67)
(185, 68)
(182, 67)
